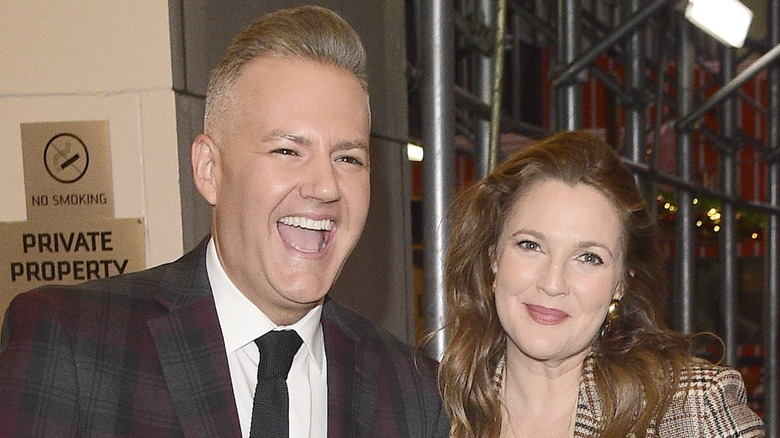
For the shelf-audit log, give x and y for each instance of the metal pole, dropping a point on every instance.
(574, 67)
(530, 17)
(635, 111)
(569, 99)
(733, 86)
(772, 239)
(685, 266)
(438, 104)
(481, 109)
(728, 251)
(482, 159)
(498, 81)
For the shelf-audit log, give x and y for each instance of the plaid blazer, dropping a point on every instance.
(715, 406)
(142, 355)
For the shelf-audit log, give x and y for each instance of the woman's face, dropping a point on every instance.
(559, 263)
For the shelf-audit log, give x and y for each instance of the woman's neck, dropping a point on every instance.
(540, 397)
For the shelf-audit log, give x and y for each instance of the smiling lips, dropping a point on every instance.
(546, 316)
(304, 234)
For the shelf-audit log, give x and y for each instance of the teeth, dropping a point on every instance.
(309, 224)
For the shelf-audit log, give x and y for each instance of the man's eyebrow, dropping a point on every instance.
(343, 145)
(277, 134)
(346, 145)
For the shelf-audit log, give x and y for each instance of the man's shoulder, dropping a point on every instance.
(369, 338)
(136, 291)
(70, 304)
(357, 327)
(132, 285)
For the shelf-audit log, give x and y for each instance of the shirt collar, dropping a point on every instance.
(242, 322)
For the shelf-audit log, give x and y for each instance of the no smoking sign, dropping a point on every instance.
(66, 158)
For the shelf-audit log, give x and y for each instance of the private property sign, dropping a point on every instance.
(35, 253)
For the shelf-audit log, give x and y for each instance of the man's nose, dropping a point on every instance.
(319, 181)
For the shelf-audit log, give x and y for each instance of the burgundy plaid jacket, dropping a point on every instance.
(142, 355)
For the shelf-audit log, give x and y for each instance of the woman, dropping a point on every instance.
(555, 298)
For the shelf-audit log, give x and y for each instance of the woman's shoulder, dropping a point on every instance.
(701, 374)
(711, 400)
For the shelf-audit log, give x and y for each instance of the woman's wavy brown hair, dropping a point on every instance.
(637, 363)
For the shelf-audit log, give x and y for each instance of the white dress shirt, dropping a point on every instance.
(242, 322)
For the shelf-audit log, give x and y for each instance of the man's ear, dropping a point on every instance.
(203, 158)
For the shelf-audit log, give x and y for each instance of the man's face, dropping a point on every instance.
(289, 183)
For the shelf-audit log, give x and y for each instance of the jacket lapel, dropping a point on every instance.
(192, 352)
(589, 409)
(352, 379)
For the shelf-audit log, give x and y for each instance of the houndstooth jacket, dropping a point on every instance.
(715, 406)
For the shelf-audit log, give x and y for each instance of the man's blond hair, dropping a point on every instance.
(309, 33)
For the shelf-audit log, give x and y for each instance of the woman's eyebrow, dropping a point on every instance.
(590, 244)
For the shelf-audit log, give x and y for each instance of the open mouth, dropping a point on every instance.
(304, 234)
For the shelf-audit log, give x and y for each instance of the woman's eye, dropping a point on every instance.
(592, 259)
(529, 245)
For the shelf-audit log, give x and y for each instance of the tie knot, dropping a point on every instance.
(277, 349)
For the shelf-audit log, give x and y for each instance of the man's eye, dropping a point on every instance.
(284, 151)
(350, 159)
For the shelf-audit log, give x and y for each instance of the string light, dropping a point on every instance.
(708, 217)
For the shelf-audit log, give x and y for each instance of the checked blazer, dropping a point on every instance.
(711, 402)
(142, 355)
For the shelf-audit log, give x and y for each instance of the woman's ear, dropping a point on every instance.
(620, 290)
(204, 164)
(493, 259)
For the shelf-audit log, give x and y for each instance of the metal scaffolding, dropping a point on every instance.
(463, 74)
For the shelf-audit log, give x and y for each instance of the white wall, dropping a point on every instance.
(69, 60)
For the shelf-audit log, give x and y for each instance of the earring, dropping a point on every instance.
(613, 313)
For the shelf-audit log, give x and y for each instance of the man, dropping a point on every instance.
(171, 351)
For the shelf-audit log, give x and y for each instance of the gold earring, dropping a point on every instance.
(613, 313)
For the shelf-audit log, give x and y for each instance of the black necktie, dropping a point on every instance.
(270, 415)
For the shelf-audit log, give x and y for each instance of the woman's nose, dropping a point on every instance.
(552, 279)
